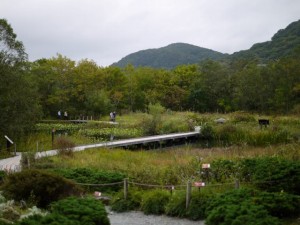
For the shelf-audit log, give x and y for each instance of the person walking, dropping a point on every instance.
(66, 115)
(59, 115)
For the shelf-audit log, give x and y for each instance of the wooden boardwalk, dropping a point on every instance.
(13, 163)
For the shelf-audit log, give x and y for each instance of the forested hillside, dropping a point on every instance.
(170, 56)
(284, 43)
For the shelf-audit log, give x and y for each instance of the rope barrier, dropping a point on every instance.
(107, 184)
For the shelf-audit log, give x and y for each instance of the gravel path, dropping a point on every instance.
(139, 218)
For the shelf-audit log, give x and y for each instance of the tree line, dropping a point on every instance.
(85, 88)
(33, 90)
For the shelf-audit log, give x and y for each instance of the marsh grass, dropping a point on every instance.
(171, 166)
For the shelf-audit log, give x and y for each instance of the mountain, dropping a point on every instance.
(170, 56)
(283, 43)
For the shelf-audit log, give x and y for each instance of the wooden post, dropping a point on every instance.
(125, 188)
(188, 194)
(237, 184)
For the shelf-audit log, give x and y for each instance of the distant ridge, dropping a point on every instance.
(170, 56)
(284, 43)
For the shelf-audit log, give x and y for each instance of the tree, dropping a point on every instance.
(19, 103)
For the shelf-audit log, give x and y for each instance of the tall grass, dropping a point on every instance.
(172, 166)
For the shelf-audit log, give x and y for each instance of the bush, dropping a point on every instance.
(72, 211)
(237, 207)
(38, 187)
(207, 132)
(177, 205)
(173, 125)
(133, 201)
(277, 174)
(83, 210)
(243, 117)
(64, 146)
(93, 176)
(154, 202)
(243, 213)
(198, 205)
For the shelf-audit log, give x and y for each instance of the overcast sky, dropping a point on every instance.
(107, 30)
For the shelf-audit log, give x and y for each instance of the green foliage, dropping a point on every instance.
(198, 205)
(93, 176)
(64, 146)
(83, 210)
(72, 211)
(207, 132)
(236, 207)
(154, 202)
(271, 174)
(276, 174)
(243, 117)
(18, 99)
(174, 125)
(177, 205)
(133, 201)
(38, 187)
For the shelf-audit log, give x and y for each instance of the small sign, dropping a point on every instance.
(97, 194)
(206, 166)
(7, 138)
(199, 184)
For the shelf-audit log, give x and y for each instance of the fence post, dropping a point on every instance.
(237, 184)
(125, 188)
(188, 194)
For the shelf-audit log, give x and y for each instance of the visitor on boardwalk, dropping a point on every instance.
(111, 115)
(66, 115)
(59, 115)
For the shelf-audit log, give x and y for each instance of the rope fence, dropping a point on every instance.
(188, 187)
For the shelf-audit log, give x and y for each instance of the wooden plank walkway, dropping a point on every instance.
(13, 163)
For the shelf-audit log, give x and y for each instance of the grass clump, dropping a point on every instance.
(154, 202)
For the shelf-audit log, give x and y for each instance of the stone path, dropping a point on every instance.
(139, 218)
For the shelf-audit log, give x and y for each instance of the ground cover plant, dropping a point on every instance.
(72, 211)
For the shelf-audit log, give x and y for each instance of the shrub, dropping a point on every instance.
(177, 205)
(83, 210)
(221, 170)
(230, 134)
(28, 160)
(237, 207)
(276, 174)
(173, 125)
(8, 212)
(243, 117)
(64, 146)
(93, 176)
(198, 205)
(243, 213)
(154, 202)
(51, 219)
(72, 211)
(38, 187)
(133, 201)
(207, 132)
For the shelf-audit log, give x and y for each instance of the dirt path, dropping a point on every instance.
(138, 218)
